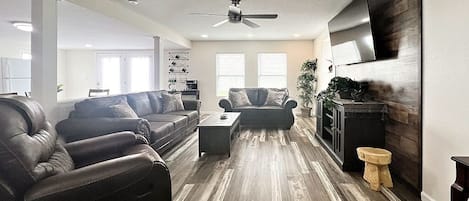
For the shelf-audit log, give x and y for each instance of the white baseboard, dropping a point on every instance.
(426, 197)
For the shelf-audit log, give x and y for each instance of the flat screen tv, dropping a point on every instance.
(351, 34)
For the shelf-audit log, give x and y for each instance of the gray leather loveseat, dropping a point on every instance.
(257, 112)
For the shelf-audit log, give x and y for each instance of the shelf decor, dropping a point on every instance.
(178, 70)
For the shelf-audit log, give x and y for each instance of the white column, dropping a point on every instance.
(158, 55)
(44, 53)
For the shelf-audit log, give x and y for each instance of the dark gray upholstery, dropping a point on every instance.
(151, 122)
(140, 103)
(258, 115)
(36, 165)
(178, 120)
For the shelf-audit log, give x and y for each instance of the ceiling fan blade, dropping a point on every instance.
(208, 14)
(250, 23)
(262, 16)
(220, 23)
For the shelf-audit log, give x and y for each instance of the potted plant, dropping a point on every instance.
(341, 87)
(306, 85)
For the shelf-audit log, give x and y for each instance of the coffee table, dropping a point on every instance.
(215, 134)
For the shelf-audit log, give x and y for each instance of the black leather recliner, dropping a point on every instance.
(36, 165)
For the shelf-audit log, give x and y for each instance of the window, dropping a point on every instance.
(125, 72)
(272, 70)
(230, 72)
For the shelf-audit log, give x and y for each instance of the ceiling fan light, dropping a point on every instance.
(23, 26)
(133, 2)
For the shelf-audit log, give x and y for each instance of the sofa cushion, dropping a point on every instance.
(122, 110)
(192, 115)
(251, 92)
(275, 97)
(172, 102)
(239, 98)
(264, 92)
(156, 102)
(179, 121)
(259, 108)
(141, 104)
(160, 130)
(97, 107)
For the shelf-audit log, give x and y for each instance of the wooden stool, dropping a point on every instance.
(376, 166)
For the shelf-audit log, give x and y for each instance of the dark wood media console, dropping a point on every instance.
(349, 125)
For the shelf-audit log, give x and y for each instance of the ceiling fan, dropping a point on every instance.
(235, 15)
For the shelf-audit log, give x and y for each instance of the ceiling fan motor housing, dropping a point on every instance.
(235, 14)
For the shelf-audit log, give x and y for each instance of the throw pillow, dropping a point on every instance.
(122, 110)
(172, 102)
(275, 97)
(239, 98)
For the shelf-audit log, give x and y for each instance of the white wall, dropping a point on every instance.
(445, 94)
(323, 51)
(203, 67)
(78, 73)
(13, 49)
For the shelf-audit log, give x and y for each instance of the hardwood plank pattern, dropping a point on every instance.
(265, 164)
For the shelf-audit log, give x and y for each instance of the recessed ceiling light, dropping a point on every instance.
(366, 19)
(204, 36)
(133, 2)
(296, 35)
(23, 26)
(88, 45)
(26, 56)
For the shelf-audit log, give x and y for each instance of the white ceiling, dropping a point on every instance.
(304, 17)
(77, 27)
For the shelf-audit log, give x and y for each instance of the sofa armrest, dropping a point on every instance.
(108, 180)
(192, 104)
(93, 149)
(290, 104)
(79, 129)
(226, 104)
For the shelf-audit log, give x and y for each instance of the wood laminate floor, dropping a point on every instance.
(269, 165)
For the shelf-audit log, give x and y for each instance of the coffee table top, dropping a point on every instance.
(215, 121)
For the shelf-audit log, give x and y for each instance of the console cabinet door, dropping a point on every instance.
(319, 118)
(339, 124)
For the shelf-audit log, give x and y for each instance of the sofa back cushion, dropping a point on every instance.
(264, 93)
(97, 107)
(156, 101)
(141, 103)
(251, 92)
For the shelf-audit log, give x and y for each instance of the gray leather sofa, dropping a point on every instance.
(36, 165)
(163, 131)
(259, 115)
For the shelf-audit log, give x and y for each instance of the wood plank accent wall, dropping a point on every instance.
(397, 82)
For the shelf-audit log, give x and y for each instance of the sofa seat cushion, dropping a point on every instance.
(159, 130)
(192, 115)
(253, 108)
(178, 121)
